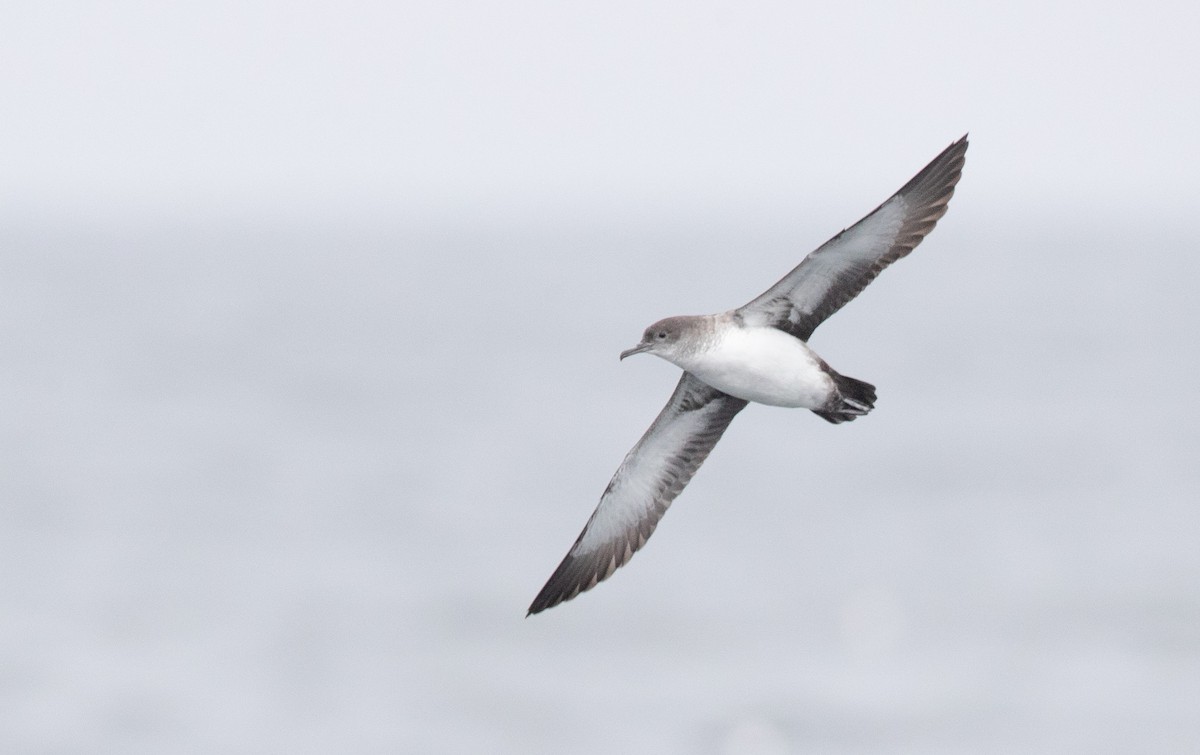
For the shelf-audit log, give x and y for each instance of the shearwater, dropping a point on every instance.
(758, 352)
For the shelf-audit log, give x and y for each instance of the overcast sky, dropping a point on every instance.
(402, 112)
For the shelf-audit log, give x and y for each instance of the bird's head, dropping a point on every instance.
(661, 338)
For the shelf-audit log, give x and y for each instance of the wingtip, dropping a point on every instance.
(541, 604)
(961, 144)
(553, 592)
(958, 147)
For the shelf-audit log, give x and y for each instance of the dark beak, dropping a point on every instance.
(636, 349)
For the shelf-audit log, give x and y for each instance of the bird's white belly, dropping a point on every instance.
(764, 365)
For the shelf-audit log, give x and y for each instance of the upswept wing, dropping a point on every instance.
(652, 474)
(843, 266)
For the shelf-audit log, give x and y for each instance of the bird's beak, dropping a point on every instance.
(636, 349)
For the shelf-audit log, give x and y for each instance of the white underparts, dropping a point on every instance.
(760, 364)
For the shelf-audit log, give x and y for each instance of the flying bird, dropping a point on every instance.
(758, 352)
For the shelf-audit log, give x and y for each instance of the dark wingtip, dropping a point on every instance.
(934, 185)
(553, 592)
(537, 606)
(543, 601)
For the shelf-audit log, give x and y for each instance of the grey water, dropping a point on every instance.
(271, 487)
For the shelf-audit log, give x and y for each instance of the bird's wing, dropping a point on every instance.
(652, 474)
(843, 266)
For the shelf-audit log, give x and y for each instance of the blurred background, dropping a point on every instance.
(309, 323)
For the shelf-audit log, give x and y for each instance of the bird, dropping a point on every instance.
(756, 353)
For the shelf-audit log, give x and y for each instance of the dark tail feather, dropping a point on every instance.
(855, 398)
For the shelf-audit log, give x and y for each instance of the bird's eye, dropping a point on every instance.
(662, 334)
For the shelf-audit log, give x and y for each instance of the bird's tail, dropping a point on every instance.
(854, 399)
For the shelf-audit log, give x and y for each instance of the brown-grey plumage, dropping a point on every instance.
(843, 266)
(652, 474)
(757, 352)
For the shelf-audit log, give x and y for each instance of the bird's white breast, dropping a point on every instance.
(761, 364)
